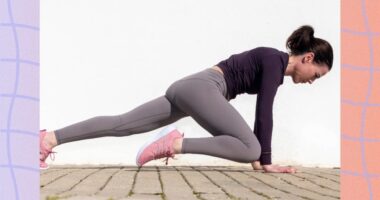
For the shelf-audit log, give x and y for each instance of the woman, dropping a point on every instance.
(205, 97)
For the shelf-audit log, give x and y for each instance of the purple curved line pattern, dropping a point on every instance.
(20, 97)
(8, 143)
(21, 61)
(20, 132)
(359, 68)
(21, 26)
(351, 173)
(20, 179)
(344, 30)
(347, 137)
(21, 167)
(350, 102)
(10, 112)
(370, 42)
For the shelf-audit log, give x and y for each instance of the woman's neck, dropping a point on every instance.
(291, 63)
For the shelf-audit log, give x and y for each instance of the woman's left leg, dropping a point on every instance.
(149, 116)
(146, 117)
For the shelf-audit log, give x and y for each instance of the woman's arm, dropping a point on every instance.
(271, 77)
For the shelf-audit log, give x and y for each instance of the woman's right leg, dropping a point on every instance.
(203, 96)
(147, 117)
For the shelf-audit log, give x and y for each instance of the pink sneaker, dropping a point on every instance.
(44, 151)
(159, 146)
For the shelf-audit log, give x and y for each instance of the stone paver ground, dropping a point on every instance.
(89, 182)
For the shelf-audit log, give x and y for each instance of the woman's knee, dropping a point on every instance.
(255, 153)
(252, 153)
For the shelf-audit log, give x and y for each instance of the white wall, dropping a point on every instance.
(106, 57)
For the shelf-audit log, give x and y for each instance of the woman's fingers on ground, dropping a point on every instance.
(291, 170)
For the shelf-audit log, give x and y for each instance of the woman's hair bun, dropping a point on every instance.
(301, 40)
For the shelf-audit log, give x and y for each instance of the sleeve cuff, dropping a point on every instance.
(266, 158)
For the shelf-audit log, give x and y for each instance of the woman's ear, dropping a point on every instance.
(309, 57)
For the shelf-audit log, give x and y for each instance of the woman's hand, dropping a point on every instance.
(279, 169)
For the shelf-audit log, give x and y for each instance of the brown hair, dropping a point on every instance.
(302, 41)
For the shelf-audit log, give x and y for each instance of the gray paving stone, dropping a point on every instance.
(231, 187)
(67, 182)
(147, 182)
(186, 182)
(91, 184)
(143, 197)
(279, 184)
(82, 197)
(307, 185)
(323, 182)
(323, 174)
(150, 169)
(335, 172)
(48, 178)
(211, 196)
(120, 184)
(200, 183)
(258, 186)
(175, 187)
(43, 172)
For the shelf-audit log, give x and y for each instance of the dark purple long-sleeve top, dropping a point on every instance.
(258, 71)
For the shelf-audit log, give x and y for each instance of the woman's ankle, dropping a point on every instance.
(177, 145)
(50, 140)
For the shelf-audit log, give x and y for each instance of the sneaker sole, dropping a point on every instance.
(41, 168)
(156, 137)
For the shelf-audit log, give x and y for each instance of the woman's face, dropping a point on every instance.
(306, 71)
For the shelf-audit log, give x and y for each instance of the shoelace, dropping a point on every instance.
(162, 152)
(166, 160)
(49, 153)
(52, 155)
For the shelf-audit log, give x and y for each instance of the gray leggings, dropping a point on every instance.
(203, 96)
